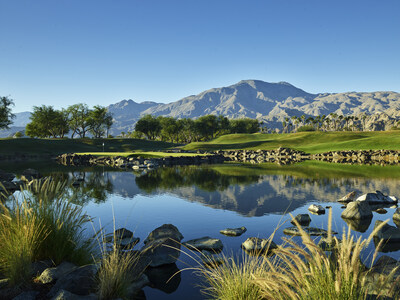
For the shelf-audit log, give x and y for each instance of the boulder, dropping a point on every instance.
(302, 219)
(50, 275)
(162, 246)
(127, 244)
(349, 197)
(396, 215)
(234, 231)
(360, 225)
(377, 198)
(8, 187)
(316, 209)
(387, 233)
(164, 278)
(205, 243)
(136, 286)
(166, 230)
(28, 295)
(258, 245)
(80, 281)
(294, 230)
(328, 245)
(357, 210)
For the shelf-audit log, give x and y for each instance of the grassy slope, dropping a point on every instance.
(310, 142)
(58, 146)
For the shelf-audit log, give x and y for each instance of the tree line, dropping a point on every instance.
(78, 118)
(188, 130)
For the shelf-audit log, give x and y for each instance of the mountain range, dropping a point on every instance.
(267, 102)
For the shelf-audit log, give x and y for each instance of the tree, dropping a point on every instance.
(78, 115)
(99, 121)
(47, 122)
(149, 126)
(5, 112)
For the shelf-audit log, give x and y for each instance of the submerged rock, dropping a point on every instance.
(205, 243)
(127, 244)
(234, 231)
(360, 225)
(377, 198)
(164, 278)
(294, 230)
(357, 210)
(316, 209)
(387, 233)
(349, 197)
(302, 219)
(258, 245)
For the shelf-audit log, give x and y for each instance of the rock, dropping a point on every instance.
(378, 275)
(123, 233)
(327, 245)
(162, 251)
(65, 295)
(258, 245)
(166, 230)
(357, 210)
(387, 233)
(349, 197)
(205, 243)
(165, 278)
(360, 225)
(80, 281)
(4, 176)
(396, 215)
(302, 219)
(309, 230)
(8, 187)
(127, 244)
(30, 174)
(316, 209)
(38, 267)
(377, 198)
(211, 259)
(50, 275)
(137, 285)
(28, 295)
(234, 231)
(381, 211)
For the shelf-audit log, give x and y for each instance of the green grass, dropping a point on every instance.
(55, 147)
(39, 224)
(309, 142)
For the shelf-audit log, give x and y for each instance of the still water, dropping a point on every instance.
(202, 200)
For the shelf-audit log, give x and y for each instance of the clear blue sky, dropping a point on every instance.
(100, 52)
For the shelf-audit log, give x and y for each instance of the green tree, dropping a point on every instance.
(149, 126)
(47, 122)
(245, 125)
(99, 120)
(5, 112)
(78, 115)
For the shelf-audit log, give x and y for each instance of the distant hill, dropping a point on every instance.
(267, 102)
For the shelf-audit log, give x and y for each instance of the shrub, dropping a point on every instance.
(305, 128)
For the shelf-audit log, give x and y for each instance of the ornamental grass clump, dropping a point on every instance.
(301, 271)
(39, 223)
(118, 271)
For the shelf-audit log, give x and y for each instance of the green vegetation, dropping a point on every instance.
(309, 142)
(59, 146)
(187, 130)
(299, 271)
(40, 223)
(147, 154)
(5, 112)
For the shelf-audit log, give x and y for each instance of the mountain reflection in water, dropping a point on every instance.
(249, 191)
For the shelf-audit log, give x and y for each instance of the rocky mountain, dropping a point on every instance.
(267, 102)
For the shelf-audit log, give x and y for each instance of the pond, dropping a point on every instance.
(202, 200)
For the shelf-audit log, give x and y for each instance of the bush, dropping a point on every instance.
(305, 128)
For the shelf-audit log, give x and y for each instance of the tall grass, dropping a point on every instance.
(40, 223)
(300, 271)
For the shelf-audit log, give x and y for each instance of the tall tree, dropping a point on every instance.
(149, 126)
(5, 112)
(47, 122)
(79, 119)
(99, 121)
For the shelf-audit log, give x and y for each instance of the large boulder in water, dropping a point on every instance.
(349, 197)
(205, 243)
(162, 246)
(387, 233)
(357, 210)
(377, 198)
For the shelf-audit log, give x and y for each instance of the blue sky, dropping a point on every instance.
(100, 52)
